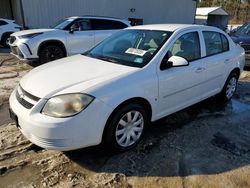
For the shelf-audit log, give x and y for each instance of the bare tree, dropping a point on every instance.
(239, 10)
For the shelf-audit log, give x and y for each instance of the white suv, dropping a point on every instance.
(69, 36)
(7, 27)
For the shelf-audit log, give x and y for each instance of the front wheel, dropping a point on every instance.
(230, 87)
(50, 52)
(126, 127)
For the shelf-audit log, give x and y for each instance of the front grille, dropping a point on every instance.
(23, 102)
(34, 98)
(12, 39)
(21, 94)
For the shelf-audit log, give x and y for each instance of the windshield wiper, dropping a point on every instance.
(87, 53)
(104, 58)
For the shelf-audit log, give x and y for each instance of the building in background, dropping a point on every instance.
(5, 10)
(44, 13)
(213, 16)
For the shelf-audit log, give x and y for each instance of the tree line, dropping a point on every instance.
(239, 10)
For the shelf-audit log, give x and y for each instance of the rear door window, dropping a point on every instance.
(225, 44)
(102, 24)
(215, 42)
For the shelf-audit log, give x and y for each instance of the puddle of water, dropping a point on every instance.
(238, 107)
(215, 108)
(223, 142)
(247, 97)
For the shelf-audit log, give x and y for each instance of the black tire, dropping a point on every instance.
(110, 138)
(5, 40)
(229, 88)
(50, 52)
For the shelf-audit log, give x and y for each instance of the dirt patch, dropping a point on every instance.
(11, 71)
(206, 145)
(245, 76)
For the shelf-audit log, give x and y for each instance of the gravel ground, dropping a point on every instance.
(206, 145)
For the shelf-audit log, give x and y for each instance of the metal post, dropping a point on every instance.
(11, 9)
(22, 14)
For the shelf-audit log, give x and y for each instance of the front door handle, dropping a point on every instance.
(199, 69)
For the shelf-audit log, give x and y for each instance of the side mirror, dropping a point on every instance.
(174, 61)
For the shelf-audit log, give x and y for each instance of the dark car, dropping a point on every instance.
(242, 37)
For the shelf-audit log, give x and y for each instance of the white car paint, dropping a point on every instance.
(74, 43)
(111, 84)
(8, 28)
(94, 71)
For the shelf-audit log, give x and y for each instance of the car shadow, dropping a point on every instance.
(247, 68)
(34, 63)
(4, 50)
(203, 139)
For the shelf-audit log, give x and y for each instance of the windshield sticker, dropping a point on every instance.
(138, 60)
(136, 51)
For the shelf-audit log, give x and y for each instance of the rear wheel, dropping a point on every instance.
(126, 127)
(50, 52)
(230, 87)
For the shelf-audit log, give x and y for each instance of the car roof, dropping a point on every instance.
(173, 27)
(101, 17)
(7, 20)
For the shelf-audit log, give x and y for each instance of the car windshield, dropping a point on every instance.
(244, 30)
(130, 47)
(61, 24)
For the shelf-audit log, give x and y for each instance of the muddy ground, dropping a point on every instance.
(206, 145)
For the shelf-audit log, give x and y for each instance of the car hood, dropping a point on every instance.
(62, 76)
(239, 38)
(31, 31)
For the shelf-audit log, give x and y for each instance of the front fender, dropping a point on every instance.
(143, 84)
(36, 42)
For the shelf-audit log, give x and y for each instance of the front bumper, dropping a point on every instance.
(22, 50)
(16, 52)
(63, 134)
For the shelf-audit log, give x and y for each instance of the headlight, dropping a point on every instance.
(66, 105)
(28, 36)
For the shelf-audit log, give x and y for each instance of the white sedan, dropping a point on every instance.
(111, 93)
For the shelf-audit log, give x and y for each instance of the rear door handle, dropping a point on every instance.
(227, 61)
(199, 69)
